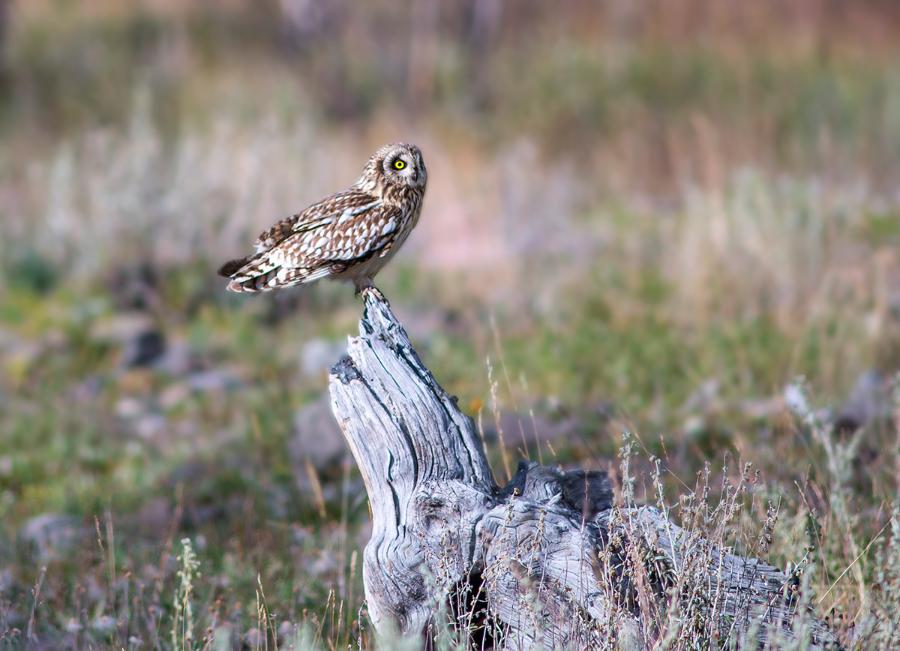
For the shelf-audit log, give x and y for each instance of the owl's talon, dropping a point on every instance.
(374, 292)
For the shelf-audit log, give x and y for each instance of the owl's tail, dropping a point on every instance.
(258, 274)
(231, 267)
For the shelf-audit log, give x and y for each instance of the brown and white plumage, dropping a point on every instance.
(349, 235)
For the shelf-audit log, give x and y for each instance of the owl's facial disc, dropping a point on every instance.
(404, 166)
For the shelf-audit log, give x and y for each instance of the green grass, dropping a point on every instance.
(225, 464)
(661, 215)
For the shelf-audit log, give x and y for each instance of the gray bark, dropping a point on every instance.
(547, 561)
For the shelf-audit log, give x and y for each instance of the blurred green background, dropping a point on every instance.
(646, 217)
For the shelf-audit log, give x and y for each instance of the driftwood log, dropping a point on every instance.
(548, 561)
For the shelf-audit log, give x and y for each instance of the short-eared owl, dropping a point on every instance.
(350, 235)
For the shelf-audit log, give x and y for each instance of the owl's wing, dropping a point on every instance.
(319, 215)
(324, 240)
(358, 233)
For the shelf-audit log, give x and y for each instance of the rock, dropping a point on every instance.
(87, 389)
(796, 402)
(179, 359)
(52, 536)
(150, 426)
(94, 590)
(174, 394)
(104, 624)
(763, 408)
(693, 426)
(301, 535)
(288, 631)
(130, 408)
(222, 638)
(704, 399)
(316, 438)
(143, 349)
(324, 565)
(119, 328)
(141, 342)
(134, 286)
(214, 380)
(869, 401)
(6, 579)
(155, 515)
(18, 361)
(254, 638)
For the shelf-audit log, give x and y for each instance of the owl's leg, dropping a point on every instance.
(365, 287)
(361, 283)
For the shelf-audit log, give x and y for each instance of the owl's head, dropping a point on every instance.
(398, 164)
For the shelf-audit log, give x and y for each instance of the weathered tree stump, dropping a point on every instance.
(547, 561)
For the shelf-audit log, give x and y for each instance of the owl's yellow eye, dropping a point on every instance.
(399, 164)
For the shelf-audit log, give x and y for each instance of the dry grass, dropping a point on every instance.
(669, 212)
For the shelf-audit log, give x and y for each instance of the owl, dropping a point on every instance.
(349, 235)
